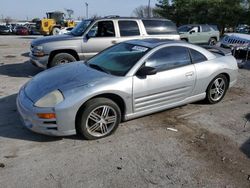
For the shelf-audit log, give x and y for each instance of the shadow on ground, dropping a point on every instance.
(245, 65)
(26, 54)
(31, 37)
(12, 127)
(245, 148)
(25, 69)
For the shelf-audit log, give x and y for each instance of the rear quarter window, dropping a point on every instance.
(196, 56)
(128, 28)
(159, 27)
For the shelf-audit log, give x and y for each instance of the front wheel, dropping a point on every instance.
(55, 31)
(98, 118)
(217, 89)
(62, 58)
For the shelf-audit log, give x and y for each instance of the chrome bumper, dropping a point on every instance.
(41, 62)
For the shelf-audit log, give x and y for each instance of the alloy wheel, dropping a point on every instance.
(217, 89)
(101, 121)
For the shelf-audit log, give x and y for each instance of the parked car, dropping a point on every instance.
(65, 30)
(21, 30)
(33, 30)
(92, 36)
(235, 39)
(243, 28)
(200, 34)
(239, 43)
(4, 30)
(125, 81)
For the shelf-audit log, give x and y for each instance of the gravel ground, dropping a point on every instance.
(210, 149)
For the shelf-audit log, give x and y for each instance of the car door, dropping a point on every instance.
(100, 36)
(206, 33)
(173, 83)
(195, 35)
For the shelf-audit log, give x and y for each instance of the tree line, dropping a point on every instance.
(223, 13)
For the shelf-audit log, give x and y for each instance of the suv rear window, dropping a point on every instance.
(158, 27)
(128, 28)
(205, 28)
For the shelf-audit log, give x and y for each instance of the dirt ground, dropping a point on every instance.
(210, 149)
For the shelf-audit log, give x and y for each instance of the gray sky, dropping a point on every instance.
(21, 9)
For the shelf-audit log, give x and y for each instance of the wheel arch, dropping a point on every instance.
(69, 51)
(114, 97)
(222, 73)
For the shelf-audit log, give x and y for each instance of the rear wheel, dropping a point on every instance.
(98, 118)
(62, 58)
(217, 89)
(212, 41)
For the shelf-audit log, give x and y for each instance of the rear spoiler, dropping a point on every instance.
(218, 50)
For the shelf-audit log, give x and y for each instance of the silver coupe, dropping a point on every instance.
(125, 81)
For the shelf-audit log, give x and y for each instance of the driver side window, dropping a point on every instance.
(169, 58)
(102, 29)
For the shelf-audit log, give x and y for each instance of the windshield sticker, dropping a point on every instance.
(140, 48)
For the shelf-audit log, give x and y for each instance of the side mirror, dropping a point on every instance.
(86, 38)
(191, 32)
(144, 71)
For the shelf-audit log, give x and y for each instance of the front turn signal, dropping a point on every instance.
(47, 115)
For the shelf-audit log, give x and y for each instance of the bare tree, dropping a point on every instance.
(144, 12)
(70, 12)
(8, 20)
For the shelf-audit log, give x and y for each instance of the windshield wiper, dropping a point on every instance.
(97, 67)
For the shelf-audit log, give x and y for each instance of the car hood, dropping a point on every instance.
(239, 35)
(48, 39)
(63, 77)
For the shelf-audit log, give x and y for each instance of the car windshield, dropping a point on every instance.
(185, 28)
(81, 28)
(119, 59)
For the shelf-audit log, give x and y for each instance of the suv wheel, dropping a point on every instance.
(212, 41)
(62, 58)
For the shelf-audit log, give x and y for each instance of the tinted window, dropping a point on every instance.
(169, 58)
(158, 27)
(205, 28)
(197, 57)
(128, 28)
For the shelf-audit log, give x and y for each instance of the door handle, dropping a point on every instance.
(113, 41)
(188, 74)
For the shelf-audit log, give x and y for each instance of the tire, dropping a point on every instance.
(92, 122)
(61, 58)
(184, 39)
(212, 41)
(217, 89)
(55, 31)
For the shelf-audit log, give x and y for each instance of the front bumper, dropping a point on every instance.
(41, 62)
(31, 121)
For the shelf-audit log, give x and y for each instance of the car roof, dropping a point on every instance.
(129, 18)
(152, 43)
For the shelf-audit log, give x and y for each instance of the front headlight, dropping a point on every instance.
(50, 100)
(40, 48)
(38, 51)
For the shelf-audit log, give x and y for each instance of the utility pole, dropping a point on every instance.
(87, 10)
(149, 9)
